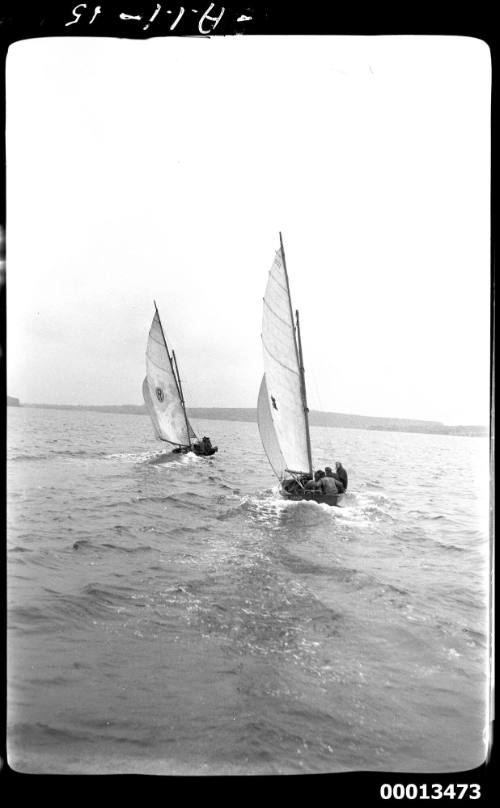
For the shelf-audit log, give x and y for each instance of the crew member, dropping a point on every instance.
(331, 475)
(329, 485)
(203, 447)
(314, 484)
(341, 474)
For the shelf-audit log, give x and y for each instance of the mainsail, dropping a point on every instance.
(282, 414)
(162, 393)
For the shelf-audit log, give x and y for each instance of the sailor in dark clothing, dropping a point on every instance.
(341, 474)
(314, 484)
(329, 485)
(292, 486)
(333, 476)
(204, 447)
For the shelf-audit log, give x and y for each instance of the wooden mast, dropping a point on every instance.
(177, 381)
(182, 397)
(300, 363)
(304, 399)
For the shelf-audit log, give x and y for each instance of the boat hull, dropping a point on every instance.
(186, 449)
(313, 496)
(210, 452)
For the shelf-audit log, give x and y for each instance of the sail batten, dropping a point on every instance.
(275, 313)
(161, 391)
(281, 414)
(292, 370)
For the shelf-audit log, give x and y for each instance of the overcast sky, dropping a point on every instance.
(165, 169)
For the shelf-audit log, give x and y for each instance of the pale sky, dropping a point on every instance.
(164, 169)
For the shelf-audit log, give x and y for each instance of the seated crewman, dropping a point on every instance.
(292, 486)
(204, 446)
(333, 476)
(314, 484)
(329, 485)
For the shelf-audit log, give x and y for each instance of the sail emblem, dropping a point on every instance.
(274, 402)
(159, 394)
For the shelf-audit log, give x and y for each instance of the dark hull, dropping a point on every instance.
(315, 496)
(210, 452)
(186, 449)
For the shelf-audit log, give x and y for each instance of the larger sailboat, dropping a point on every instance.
(282, 412)
(162, 391)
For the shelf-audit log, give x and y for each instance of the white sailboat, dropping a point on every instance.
(282, 412)
(163, 396)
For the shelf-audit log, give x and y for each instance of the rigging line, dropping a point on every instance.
(181, 394)
(186, 387)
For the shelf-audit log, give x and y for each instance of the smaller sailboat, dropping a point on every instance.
(162, 391)
(282, 412)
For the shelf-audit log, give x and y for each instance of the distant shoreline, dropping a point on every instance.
(327, 419)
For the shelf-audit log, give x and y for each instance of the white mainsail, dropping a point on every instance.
(282, 423)
(161, 391)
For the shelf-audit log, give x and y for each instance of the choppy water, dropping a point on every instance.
(181, 618)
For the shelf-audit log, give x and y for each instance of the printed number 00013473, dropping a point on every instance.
(435, 791)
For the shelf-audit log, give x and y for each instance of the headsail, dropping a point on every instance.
(267, 431)
(161, 391)
(282, 381)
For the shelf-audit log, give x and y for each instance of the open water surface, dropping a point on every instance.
(180, 618)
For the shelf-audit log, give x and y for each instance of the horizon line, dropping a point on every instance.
(254, 409)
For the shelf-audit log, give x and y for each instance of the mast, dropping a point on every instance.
(178, 379)
(298, 352)
(304, 399)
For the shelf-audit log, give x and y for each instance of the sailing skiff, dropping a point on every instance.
(162, 391)
(282, 412)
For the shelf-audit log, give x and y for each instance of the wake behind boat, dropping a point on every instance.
(162, 391)
(282, 412)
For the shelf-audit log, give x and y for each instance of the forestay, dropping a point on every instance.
(161, 391)
(282, 380)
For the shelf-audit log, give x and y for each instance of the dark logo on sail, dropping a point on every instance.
(159, 394)
(274, 402)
